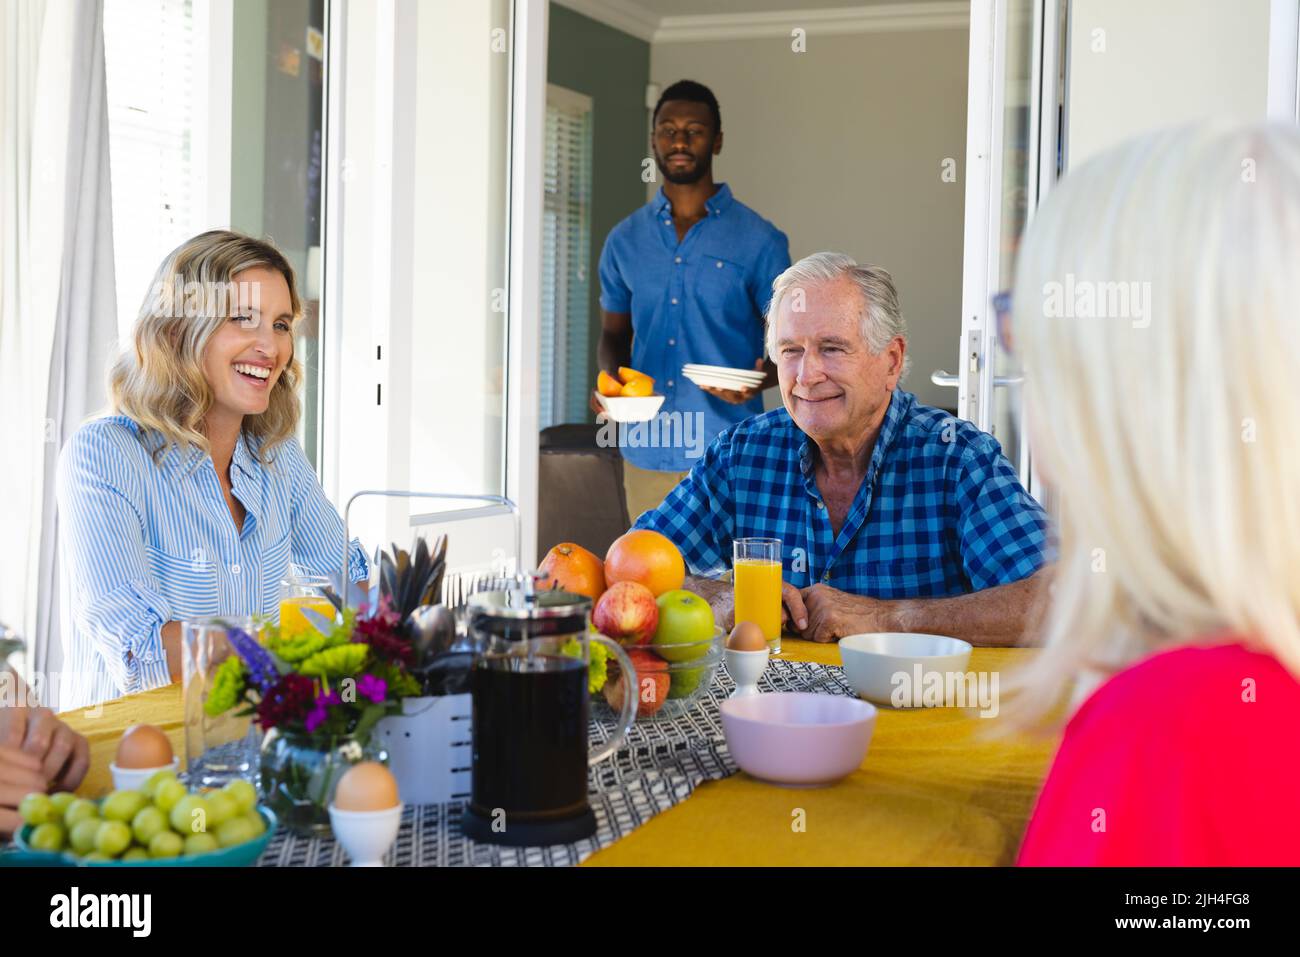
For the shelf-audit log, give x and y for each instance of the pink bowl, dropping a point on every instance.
(797, 738)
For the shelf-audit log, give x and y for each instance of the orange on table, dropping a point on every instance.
(575, 569)
(639, 387)
(646, 557)
(607, 385)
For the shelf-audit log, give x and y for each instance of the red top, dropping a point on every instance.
(1189, 758)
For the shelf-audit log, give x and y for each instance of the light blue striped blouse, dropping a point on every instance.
(143, 544)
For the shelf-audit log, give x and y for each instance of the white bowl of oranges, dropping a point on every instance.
(630, 397)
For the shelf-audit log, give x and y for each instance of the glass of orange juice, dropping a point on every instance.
(756, 577)
(298, 592)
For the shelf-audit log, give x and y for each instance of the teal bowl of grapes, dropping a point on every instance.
(242, 854)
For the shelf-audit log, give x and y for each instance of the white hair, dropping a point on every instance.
(881, 319)
(1168, 433)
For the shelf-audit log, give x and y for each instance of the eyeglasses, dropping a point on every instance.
(1002, 314)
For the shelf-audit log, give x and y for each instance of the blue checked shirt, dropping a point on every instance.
(940, 512)
(698, 301)
(143, 544)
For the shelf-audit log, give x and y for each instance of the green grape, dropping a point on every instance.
(243, 792)
(150, 787)
(166, 844)
(80, 810)
(36, 808)
(61, 800)
(95, 857)
(235, 831)
(255, 819)
(167, 793)
(183, 818)
(135, 854)
(49, 836)
(221, 808)
(112, 838)
(147, 822)
(82, 835)
(202, 843)
(122, 805)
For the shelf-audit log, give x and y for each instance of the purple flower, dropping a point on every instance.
(261, 666)
(320, 710)
(372, 687)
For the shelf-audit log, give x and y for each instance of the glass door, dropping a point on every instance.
(1013, 156)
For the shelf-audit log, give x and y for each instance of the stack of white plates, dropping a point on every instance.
(720, 377)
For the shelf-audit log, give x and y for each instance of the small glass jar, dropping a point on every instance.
(299, 773)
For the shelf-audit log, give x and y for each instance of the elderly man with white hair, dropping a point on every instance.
(892, 516)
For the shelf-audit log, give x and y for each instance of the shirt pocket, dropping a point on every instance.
(189, 584)
(275, 567)
(721, 289)
(908, 579)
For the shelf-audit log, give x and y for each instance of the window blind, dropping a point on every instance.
(149, 49)
(566, 244)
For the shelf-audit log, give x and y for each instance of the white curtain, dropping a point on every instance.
(58, 321)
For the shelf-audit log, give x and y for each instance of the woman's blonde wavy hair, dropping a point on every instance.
(157, 379)
(1169, 435)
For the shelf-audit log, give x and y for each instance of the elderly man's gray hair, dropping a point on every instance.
(881, 318)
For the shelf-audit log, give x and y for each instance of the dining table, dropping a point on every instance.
(938, 786)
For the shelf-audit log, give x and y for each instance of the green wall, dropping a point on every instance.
(612, 68)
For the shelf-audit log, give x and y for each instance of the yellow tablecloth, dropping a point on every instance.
(932, 790)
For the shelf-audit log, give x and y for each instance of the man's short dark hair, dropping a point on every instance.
(691, 92)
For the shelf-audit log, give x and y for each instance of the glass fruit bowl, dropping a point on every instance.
(671, 678)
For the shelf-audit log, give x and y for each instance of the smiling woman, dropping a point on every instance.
(192, 496)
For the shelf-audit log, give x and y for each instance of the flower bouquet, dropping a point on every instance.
(318, 695)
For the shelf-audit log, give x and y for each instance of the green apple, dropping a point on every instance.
(685, 681)
(683, 617)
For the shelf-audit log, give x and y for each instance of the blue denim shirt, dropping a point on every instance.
(698, 301)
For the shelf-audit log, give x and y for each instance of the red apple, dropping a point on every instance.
(627, 613)
(652, 683)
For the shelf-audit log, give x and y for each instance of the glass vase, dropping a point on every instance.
(299, 774)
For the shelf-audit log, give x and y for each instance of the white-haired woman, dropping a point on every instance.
(193, 496)
(1155, 313)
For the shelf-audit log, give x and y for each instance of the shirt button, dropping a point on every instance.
(668, 222)
(719, 263)
(821, 504)
(670, 382)
(674, 302)
(678, 259)
(672, 342)
(234, 569)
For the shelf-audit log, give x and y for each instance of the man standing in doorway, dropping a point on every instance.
(686, 279)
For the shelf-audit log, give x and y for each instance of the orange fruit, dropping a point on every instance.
(575, 569)
(607, 385)
(639, 387)
(646, 557)
(627, 375)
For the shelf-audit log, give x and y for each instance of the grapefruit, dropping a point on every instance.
(645, 557)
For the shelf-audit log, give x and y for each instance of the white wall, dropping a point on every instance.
(1137, 66)
(841, 147)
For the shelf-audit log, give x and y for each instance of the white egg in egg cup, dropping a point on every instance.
(366, 835)
(130, 779)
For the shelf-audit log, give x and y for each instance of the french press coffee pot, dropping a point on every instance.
(530, 714)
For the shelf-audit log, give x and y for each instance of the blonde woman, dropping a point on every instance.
(1155, 312)
(192, 497)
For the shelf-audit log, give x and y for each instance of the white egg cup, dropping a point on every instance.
(366, 835)
(130, 779)
(745, 668)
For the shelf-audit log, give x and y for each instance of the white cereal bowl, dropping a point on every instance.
(796, 738)
(875, 663)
